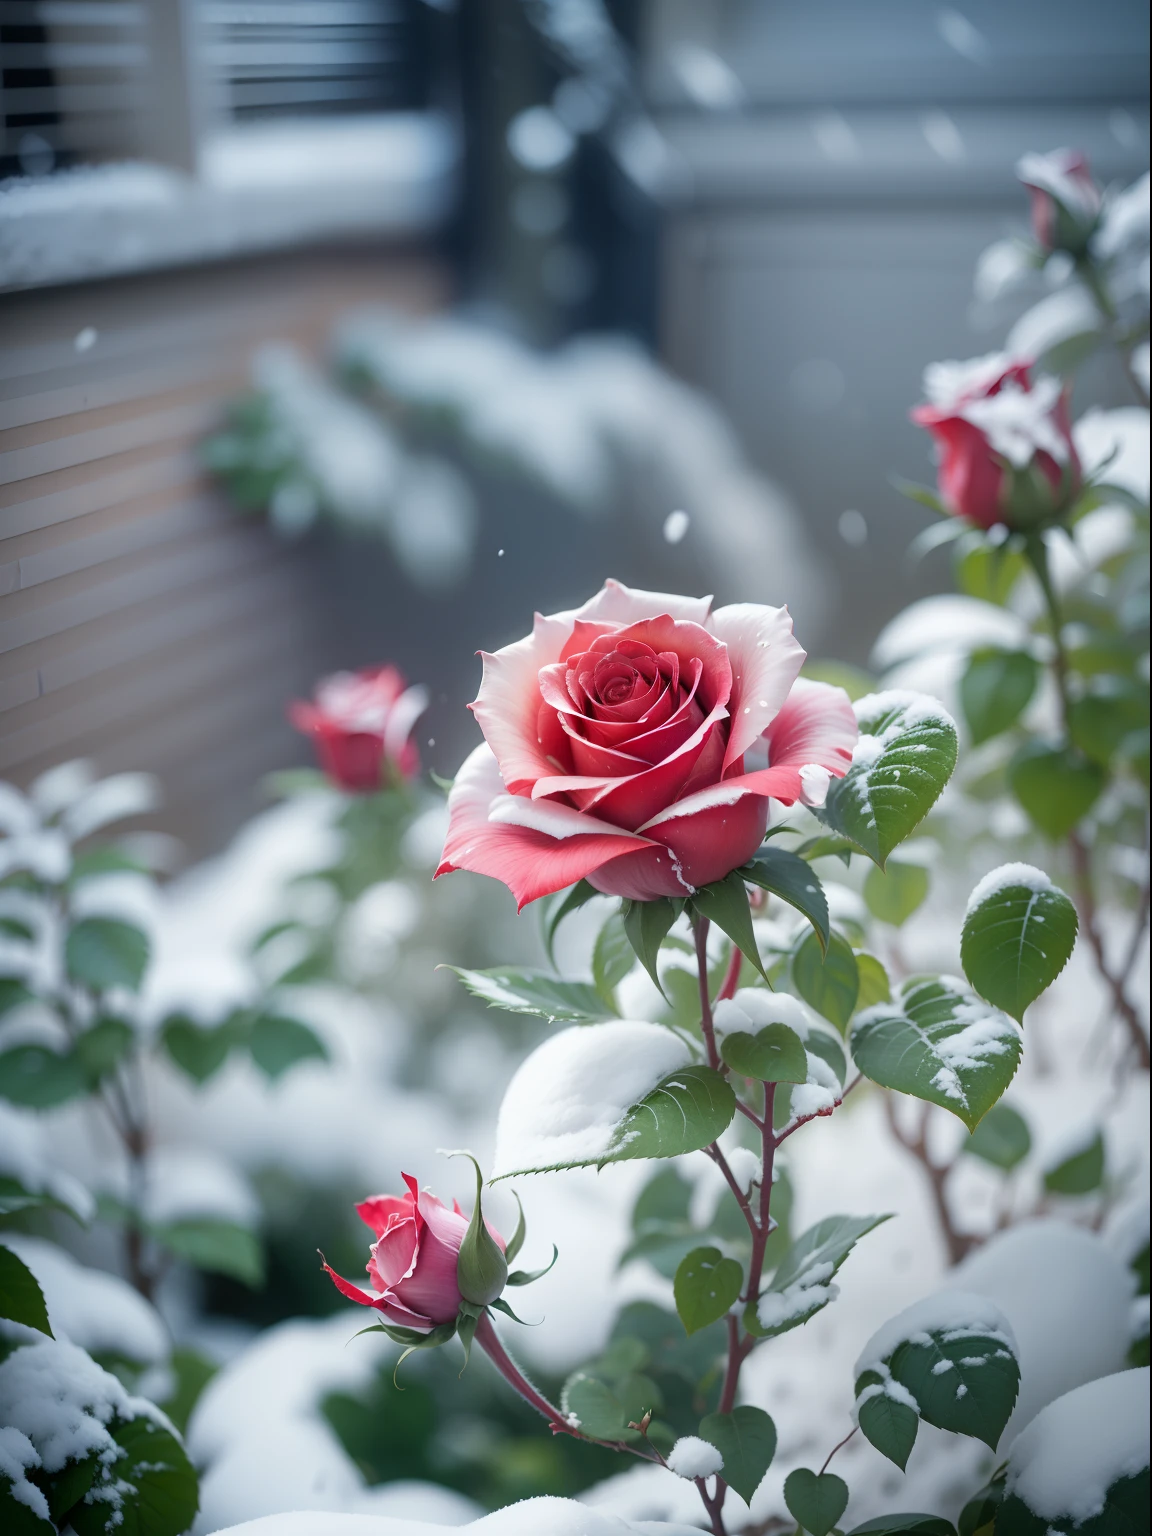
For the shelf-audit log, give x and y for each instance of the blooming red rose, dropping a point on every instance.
(1066, 202)
(414, 1258)
(1004, 443)
(361, 723)
(636, 743)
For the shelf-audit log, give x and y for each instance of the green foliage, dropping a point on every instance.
(874, 984)
(199, 1051)
(905, 756)
(16, 1196)
(21, 1299)
(1081, 1173)
(37, 1078)
(1125, 1513)
(1056, 786)
(612, 958)
(219, 1246)
(790, 877)
(164, 1493)
(1002, 1138)
(725, 903)
(481, 1268)
(890, 1425)
(905, 1525)
(801, 1279)
(828, 980)
(995, 690)
(685, 1112)
(987, 571)
(894, 893)
(278, 1042)
(554, 909)
(774, 1054)
(815, 1500)
(13, 993)
(647, 923)
(1016, 941)
(939, 1045)
(1104, 721)
(103, 953)
(746, 1438)
(535, 992)
(706, 1286)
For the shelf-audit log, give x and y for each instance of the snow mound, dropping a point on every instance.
(692, 1457)
(533, 1517)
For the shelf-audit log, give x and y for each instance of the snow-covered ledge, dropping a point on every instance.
(259, 187)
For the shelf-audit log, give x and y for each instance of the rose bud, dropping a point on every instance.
(361, 724)
(1004, 444)
(1066, 202)
(415, 1259)
(616, 739)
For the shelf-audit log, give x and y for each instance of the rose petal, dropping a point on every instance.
(624, 605)
(766, 659)
(379, 1210)
(815, 725)
(508, 702)
(396, 1253)
(395, 1311)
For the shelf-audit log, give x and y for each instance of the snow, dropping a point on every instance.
(952, 1314)
(1061, 315)
(1006, 878)
(948, 623)
(947, 384)
(530, 1517)
(17, 1455)
(676, 525)
(1063, 1464)
(1125, 221)
(753, 1008)
(1117, 439)
(98, 1311)
(23, 1137)
(112, 799)
(1053, 1281)
(692, 1457)
(746, 1167)
(810, 1289)
(187, 1182)
(568, 1098)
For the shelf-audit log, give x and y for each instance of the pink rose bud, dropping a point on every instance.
(1066, 202)
(361, 724)
(637, 743)
(414, 1260)
(1004, 443)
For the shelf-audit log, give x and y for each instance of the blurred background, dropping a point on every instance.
(498, 285)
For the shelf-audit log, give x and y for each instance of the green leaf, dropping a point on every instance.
(1124, 1513)
(1056, 787)
(824, 1043)
(978, 1517)
(481, 1269)
(15, 928)
(927, 497)
(1102, 722)
(161, 1492)
(725, 903)
(1079, 1174)
(905, 1525)
(891, 1427)
(277, 1043)
(904, 758)
(527, 1276)
(988, 571)
(746, 1438)
(1002, 1138)
(841, 848)
(940, 1045)
(553, 914)
(102, 953)
(706, 1285)
(685, 1112)
(874, 983)
(17, 1518)
(191, 1373)
(199, 1051)
(15, 1196)
(516, 1241)
(1017, 938)
(221, 1247)
(597, 1410)
(102, 1047)
(828, 981)
(612, 958)
(537, 993)
(21, 1299)
(892, 894)
(37, 1078)
(790, 877)
(963, 1378)
(995, 689)
(67, 1487)
(13, 992)
(774, 1054)
(647, 923)
(799, 1288)
(815, 1500)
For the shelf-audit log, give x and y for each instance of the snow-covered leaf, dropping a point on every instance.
(746, 1438)
(161, 1492)
(706, 1285)
(545, 997)
(940, 1044)
(905, 1525)
(951, 1360)
(790, 877)
(21, 1299)
(774, 1054)
(593, 1407)
(1019, 931)
(685, 1112)
(902, 761)
(802, 1285)
(828, 980)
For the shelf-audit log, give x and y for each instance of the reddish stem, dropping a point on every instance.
(732, 975)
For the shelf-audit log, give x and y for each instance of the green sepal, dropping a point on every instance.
(526, 1276)
(502, 1306)
(581, 893)
(725, 903)
(466, 1324)
(481, 1269)
(647, 923)
(516, 1241)
(924, 494)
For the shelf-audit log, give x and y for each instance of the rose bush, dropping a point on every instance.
(1004, 441)
(636, 742)
(415, 1259)
(1066, 202)
(361, 725)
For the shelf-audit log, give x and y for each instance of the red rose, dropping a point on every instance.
(1066, 202)
(616, 746)
(361, 723)
(414, 1258)
(1004, 443)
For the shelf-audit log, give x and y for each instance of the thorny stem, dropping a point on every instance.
(1081, 855)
